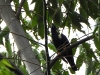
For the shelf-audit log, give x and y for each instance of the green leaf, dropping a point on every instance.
(86, 46)
(4, 32)
(43, 53)
(73, 41)
(54, 4)
(81, 49)
(93, 55)
(98, 24)
(26, 8)
(83, 13)
(30, 38)
(37, 54)
(8, 47)
(80, 60)
(23, 70)
(98, 1)
(39, 7)
(6, 63)
(89, 51)
(72, 72)
(60, 2)
(95, 29)
(41, 28)
(84, 5)
(33, 1)
(50, 12)
(34, 21)
(77, 19)
(97, 43)
(89, 67)
(93, 9)
(16, 2)
(39, 18)
(49, 18)
(52, 47)
(65, 73)
(57, 17)
(67, 5)
(57, 65)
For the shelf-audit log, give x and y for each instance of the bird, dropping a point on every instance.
(61, 42)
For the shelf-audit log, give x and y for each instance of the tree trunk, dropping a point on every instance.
(25, 50)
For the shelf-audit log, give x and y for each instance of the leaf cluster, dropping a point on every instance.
(63, 13)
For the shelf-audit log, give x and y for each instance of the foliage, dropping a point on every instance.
(68, 14)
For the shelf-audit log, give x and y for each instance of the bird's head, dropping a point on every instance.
(53, 28)
(54, 32)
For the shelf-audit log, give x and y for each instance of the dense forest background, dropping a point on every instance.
(25, 39)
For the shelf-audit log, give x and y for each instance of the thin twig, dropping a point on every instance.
(27, 38)
(19, 8)
(67, 13)
(16, 70)
(46, 37)
(68, 48)
(21, 60)
(97, 73)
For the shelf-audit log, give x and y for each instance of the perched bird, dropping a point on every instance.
(60, 41)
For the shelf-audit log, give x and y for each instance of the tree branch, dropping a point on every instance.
(68, 12)
(15, 69)
(19, 8)
(15, 26)
(46, 37)
(6, 30)
(97, 73)
(68, 48)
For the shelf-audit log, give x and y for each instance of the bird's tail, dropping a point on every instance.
(74, 68)
(72, 64)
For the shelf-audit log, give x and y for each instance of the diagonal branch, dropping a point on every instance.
(68, 11)
(15, 26)
(70, 47)
(19, 8)
(14, 68)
